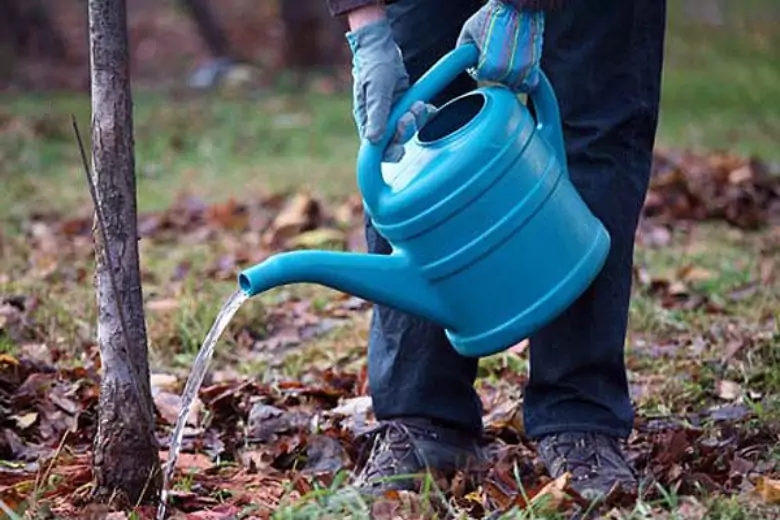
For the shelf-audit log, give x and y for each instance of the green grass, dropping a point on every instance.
(721, 85)
(340, 501)
(214, 147)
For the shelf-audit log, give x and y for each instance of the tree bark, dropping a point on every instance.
(126, 462)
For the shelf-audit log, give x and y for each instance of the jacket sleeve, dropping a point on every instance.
(339, 7)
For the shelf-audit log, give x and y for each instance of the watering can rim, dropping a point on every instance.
(462, 58)
(458, 132)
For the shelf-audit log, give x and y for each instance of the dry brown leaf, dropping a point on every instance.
(696, 274)
(767, 270)
(768, 489)
(741, 174)
(318, 238)
(349, 212)
(678, 288)
(301, 213)
(26, 420)
(163, 305)
(690, 509)
(169, 406)
(8, 359)
(728, 390)
(229, 215)
(508, 414)
(554, 495)
(189, 461)
(361, 405)
(733, 347)
(164, 381)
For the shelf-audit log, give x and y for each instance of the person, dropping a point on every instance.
(604, 60)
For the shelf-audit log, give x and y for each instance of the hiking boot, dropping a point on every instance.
(404, 450)
(595, 462)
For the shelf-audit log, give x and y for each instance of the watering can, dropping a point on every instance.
(490, 238)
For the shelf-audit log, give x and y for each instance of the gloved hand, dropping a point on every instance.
(510, 44)
(380, 78)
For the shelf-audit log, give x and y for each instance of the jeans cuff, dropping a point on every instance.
(542, 431)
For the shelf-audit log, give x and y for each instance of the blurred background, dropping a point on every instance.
(245, 146)
(239, 95)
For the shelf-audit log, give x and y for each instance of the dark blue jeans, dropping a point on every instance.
(604, 59)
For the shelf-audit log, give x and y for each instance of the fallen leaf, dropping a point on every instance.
(318, 239)
(167, 382)
(729, 413)
(732, 348)
(689, 186)
(7, 359)
(508, 415)
(768, 490)
(553, 496)
(693, 273)
(25, 421)
(728, 390)
(301, 213)
(163, 305)
(361, 405)
(266, 421)
(324, 454)
(229, 215)
(744, 292)
(690, 509)
(189, 461)
(169, 405)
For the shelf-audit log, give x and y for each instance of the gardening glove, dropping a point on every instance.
(380, 78)
(509, 42)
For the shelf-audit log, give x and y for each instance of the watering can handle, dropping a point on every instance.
(437, 78)
(369, 161)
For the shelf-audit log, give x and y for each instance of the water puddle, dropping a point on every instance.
(194, 381)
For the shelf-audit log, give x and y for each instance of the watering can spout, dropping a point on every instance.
(383, 279)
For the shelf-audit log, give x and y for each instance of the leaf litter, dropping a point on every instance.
(252, 448)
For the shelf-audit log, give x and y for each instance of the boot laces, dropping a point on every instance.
(391, 445)
(578, 456)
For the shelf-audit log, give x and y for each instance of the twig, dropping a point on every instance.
(102, 225)
(8, 511)
(105, 250)
(40, 479)
(149, 479)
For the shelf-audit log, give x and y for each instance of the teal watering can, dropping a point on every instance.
(490, 238)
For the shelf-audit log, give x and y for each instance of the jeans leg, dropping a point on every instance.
(412, 368)
(604, 58)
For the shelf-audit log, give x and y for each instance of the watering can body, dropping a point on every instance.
(490, 238)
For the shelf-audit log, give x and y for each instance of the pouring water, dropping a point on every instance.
(194, 381)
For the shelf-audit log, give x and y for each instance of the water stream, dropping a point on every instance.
(194, 382)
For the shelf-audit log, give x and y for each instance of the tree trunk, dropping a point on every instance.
(27, 27)
(126, 462)
(313, 38)
(208, 28)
